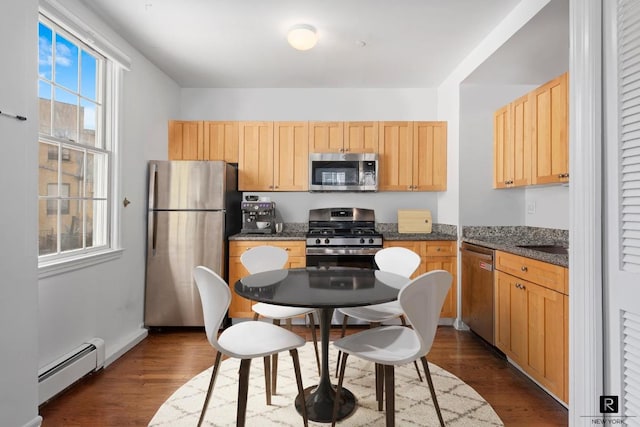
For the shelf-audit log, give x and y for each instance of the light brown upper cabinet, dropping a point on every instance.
(255, 157)
(343, 137)
(198, 140)
(550, 162)
(531, 143)
(326, 137)
(413, 156)
(274, 156)
(291, 156)
(361, 137)
(512, 144)
(186, 140)
(221, 141)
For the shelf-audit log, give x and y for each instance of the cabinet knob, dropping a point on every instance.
(437, 249)
(524, 268)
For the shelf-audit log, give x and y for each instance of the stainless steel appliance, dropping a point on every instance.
(258, 217)
(343, 172)
(193, 207)
(477, 290)
(343, 237)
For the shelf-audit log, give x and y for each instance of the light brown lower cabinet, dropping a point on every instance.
(241, 307)
(436, 255)
(531, 321)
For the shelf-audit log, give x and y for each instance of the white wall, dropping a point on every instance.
(550, 206)
(308, 104)
(18, 173)
(321, 104)
(107, 300)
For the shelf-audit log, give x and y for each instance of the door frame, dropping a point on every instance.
(586, 229)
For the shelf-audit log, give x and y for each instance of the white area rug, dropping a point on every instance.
(460, 404)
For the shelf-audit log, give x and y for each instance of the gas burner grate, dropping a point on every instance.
(322, 232)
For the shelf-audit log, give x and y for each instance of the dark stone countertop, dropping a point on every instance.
(511, 240)
(285, 235)
(418, 236)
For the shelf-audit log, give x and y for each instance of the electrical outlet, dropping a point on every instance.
(531, 207)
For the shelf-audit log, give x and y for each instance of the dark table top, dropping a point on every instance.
(321, 287)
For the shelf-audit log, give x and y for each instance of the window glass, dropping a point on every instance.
(74, 154)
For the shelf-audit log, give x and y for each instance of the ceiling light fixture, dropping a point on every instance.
(302, 37)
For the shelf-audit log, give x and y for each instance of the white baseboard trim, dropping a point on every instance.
(127, 344)
(36, 422)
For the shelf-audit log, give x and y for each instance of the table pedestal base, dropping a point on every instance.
(320, 404)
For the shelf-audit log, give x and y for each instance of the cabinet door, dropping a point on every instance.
(240, 307)
(291, 161)
(361, 137)
(255, 160)
(326, 137)
(185, 140)
(545, 337)
(395, 149)
(429, 156)
(521, 131)
(550, 160)
(221, 141)
(449, 308)
(502, 166)
(511, 318)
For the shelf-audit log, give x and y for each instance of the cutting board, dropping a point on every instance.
(414, 221)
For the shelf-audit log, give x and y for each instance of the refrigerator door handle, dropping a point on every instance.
(152, 228)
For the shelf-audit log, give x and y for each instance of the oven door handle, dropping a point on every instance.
(342, 251)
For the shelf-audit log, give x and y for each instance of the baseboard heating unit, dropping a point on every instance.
(61, 373)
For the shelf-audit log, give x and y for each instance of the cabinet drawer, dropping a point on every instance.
(439, 248)
(545, 274)
(293, 247)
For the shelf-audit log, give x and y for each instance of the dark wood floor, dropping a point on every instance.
(129, 391)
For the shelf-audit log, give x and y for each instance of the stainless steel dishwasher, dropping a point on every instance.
(477, 290)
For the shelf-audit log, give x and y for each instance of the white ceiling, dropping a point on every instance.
(242, 43)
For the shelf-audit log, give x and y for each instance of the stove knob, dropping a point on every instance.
(317, 241)
(361, 241)
(371, 241)
(326, 241)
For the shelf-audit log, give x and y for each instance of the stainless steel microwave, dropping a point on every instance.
(343, 172)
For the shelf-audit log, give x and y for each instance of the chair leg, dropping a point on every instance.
(267, 378)
(214, 374)
(296, 368)
(336, 400)
(427, 373)
(390, 391)
(379, 385)
(312, 325)
(243, 391)
(274, 365)
(415, 362)
(344, 331)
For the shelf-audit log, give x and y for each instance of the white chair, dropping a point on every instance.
(389, 346)
(398, 260)
(267, 258)
(243, 341)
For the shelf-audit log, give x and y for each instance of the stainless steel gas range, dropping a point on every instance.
(343, 237)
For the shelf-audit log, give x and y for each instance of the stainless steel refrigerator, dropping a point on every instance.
(194, 206)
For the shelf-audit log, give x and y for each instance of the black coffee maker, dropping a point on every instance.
(258, 217)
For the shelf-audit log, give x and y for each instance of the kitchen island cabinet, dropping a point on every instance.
(241, 307)
(531, 301)
(435, 255)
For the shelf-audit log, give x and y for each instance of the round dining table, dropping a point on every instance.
(324, 289)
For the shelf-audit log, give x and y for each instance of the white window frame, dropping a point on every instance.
(116, 63)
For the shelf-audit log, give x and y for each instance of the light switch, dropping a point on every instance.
(531, 207)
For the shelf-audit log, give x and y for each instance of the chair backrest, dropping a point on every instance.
(216, 297)
(397, 260)
(422, 300)
(264, 258)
